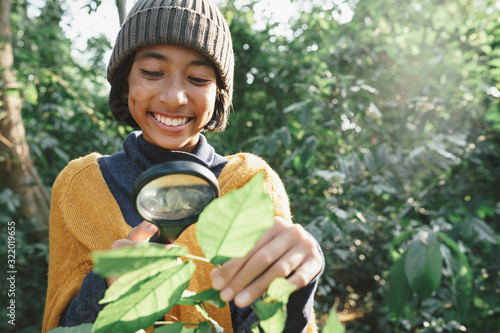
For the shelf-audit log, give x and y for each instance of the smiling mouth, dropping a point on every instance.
(174, 122)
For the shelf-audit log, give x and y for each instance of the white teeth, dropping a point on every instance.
(169, 121)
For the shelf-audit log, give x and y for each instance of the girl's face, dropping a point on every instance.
(172, 92)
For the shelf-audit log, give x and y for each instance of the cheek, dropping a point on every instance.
(131, 102)
(136, 96)
(210, 101)
(210, 109)
(137, 91)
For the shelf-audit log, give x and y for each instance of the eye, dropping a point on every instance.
(198, 81)
(151, 74)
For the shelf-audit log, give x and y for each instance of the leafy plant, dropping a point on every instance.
(227, 228)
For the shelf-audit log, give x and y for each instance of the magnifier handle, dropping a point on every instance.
(156, 238)
(167, 234)
(168, 231)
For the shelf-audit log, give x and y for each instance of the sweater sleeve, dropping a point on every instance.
(240, 169)
(300, 307)
(84, 218)
(85, 307)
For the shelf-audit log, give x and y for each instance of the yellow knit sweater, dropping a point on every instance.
(85, 218)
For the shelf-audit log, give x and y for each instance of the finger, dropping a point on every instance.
(305, 272)
(142, 232)
(261, 261)
(301, 251)
(122, 243)
(110, 280)
(222, 276)
(282, 268)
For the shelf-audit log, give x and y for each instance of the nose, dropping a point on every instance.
(173, 93)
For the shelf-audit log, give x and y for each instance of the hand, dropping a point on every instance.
(285, 250)
(142, 233)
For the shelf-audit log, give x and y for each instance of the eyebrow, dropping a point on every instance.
(161, 57)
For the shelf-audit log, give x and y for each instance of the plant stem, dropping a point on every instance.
(190, 256)
(173, 322)
(163, 322)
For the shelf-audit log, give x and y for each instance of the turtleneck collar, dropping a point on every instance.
(144, 155)
(122, 169)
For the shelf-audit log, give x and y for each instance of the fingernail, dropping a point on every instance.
(227, 294)
(242, 299)
(218, 282)
(151, 227)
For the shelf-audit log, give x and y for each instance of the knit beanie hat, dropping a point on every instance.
(195, 24)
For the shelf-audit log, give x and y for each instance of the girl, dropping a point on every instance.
(171, 75)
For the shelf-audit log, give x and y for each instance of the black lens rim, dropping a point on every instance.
(173, 168)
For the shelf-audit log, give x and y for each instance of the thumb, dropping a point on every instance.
(143, 232)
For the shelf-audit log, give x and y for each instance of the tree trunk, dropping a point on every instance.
(122, 10)
(16, 167)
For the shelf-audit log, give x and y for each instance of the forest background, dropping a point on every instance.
(384, 129)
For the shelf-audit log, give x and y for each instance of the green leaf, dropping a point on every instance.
(330, 175)
(271, 310)
(484, 231)
(230, 226)
(399, 290)
(188, 330)
(280, 289)
(129, 280)
(484, 210)
(119, 261)
(343, 167)
(170, 328)
(146, 302)
(204, 313)
(272, 315)
(461, 278)
(355, 167)
(382, 155)
(83, 328)
(369, 161)
(494, 62)
(210, 296)
(290, 158)
(284, 136)
(423, 264)
(204, 327)
(295, 107)
(333, 324)
(307, 150)
(396, 243)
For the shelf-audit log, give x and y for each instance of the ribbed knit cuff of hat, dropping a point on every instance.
(195, 24)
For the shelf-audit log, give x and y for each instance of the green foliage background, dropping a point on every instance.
(385, 131)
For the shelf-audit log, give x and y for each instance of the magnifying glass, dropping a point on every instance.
(171, 195)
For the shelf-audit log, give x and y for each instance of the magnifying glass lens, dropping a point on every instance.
(173, 197)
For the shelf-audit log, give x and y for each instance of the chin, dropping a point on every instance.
(168, 144)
